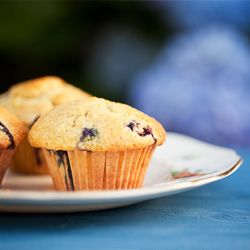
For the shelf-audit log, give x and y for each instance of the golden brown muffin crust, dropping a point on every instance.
(29, 100)
(12, 130)
(95, 124)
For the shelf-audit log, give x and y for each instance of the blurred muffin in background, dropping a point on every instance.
(199, 85)
(28, 101)
(12, 133)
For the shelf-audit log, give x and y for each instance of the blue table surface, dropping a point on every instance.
(215, 216)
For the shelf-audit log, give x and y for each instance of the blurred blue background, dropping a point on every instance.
(186, 63)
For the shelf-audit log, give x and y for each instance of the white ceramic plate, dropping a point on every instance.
(181, 164)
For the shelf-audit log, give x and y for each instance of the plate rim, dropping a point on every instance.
(18, 197)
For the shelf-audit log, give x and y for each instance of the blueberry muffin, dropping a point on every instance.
(12, 132)
(28, 101)
(95, 144)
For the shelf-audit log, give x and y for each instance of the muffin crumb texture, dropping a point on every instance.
(12, 130)
(95, 124)
(30, 99)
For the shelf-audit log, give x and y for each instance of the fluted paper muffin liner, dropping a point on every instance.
(5, 158)
(29, 160)
(83, 170)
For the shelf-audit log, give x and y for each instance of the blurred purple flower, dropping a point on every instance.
(200, 85)
(190, 14)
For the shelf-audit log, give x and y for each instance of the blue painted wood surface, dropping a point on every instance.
(216, 216)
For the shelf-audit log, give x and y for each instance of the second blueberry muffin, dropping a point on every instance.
(28, 101)
(96, 144)
(12, 133)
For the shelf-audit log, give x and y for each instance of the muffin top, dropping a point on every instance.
(95, 124)
(12, 130)
(29, 100)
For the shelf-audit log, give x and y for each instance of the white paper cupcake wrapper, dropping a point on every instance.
(83, 170)
(5, 158)
(29, 160)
